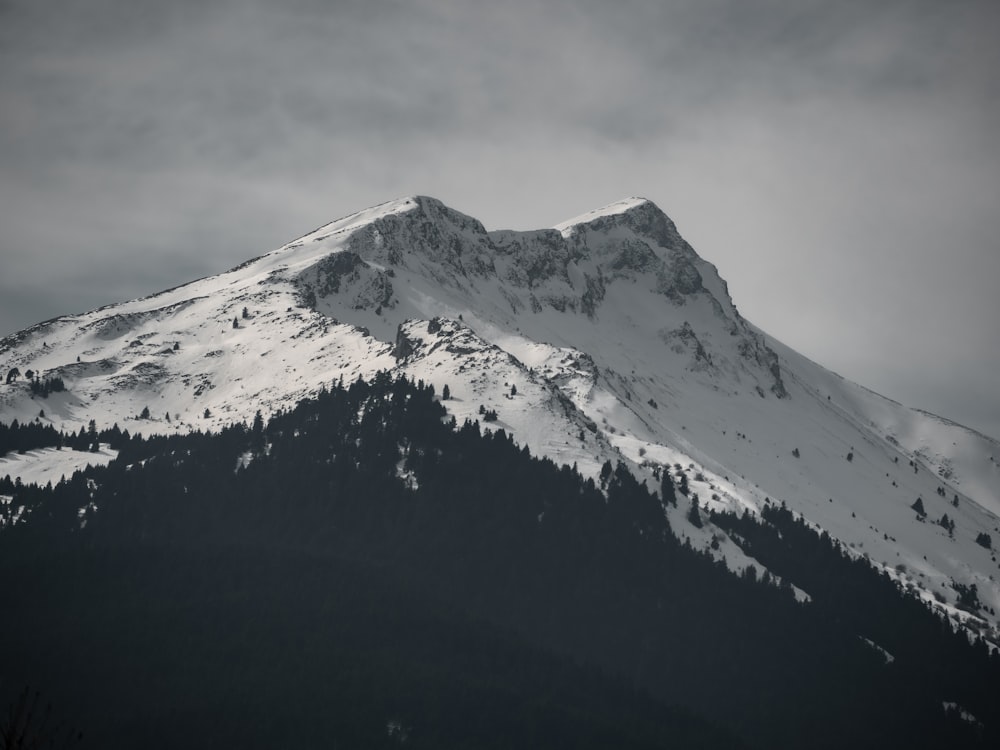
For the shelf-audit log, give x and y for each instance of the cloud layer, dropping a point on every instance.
(836, 160)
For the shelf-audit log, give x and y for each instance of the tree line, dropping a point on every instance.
(360, 567)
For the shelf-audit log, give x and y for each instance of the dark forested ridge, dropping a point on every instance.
(27, 437)
(358, 572)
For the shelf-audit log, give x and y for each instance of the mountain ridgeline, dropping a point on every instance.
(360, 570)
(567, 271)
(603, 338)
(405, 480)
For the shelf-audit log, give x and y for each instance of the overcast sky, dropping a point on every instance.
(838, 161)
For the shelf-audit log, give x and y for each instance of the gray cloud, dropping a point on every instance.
(836, 160)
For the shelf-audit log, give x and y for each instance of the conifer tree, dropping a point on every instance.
(606, 470)
(694, 515)
(667, 490)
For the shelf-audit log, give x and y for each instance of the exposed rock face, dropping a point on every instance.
(571, 269)
(753, 348)
(456, 243)
(365, 286)
(684, 339)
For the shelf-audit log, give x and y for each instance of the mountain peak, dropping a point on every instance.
(625, 208)
(637, 215)
(604, 338)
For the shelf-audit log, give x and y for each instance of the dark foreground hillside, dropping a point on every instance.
(358, 573)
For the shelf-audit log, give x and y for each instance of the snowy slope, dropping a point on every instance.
(605, 337)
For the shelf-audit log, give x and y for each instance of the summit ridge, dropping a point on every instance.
(617, 208)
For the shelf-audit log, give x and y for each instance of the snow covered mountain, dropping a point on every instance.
(604, 338)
